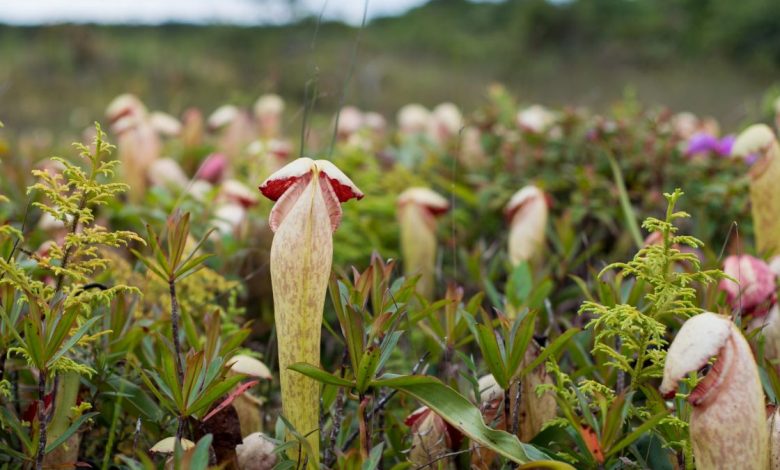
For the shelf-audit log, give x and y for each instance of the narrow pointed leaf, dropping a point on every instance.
(74, 339)
(70, 431)
(464, 416)
(212, 393)
(637, 433)
(368, 366)
(318, 374)
(488, 344)
(553, 348)
(233, 395)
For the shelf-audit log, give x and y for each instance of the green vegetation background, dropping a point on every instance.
(710, 56)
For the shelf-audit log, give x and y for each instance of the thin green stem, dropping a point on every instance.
(112, 430)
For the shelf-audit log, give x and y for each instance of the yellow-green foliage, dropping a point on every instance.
(631, 335)
(198, 293)
(70, 197)
(671, 276)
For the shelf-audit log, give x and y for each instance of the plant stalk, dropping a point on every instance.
(176, 347)
(364, 427)
(380, 414)
(620, 383)
(508, 407)
(516, 410)
(112, 429)
(175, 329)
(42, 420)
(384, 401)
(338, 417)
(68, 250)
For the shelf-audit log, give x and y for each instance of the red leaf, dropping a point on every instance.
(233, 395)
(592, 441)
(31, 413)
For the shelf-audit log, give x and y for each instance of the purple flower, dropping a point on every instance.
(725, 145)
(706, 143)
(701, 143)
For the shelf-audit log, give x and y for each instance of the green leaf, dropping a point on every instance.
(374, 457)
(150, 265)
(9, 452)
(542, 464)
(34, 343)
(198, 245)
(464, 416)
(583, 286)
(158, 389)
(637, 433)
(388, 346)
(59, 331)
(191, 267)
(301, 440)
(553, 348)
(625, 203)
(586, 412)
(162, 261)
(522, 337)
(10, 324)
(136, 396)
(231, 343)
(368, 366)
(70, 431)
(320, 375)
(73, 339)
(488, 344)
(212, 393)
(193, 370)
(420, 314)
(575, 429)
(519, 284)
(170, 377)
(211, 373)
(17, 428)
(490, 289)
(539, 293)
(284, 464)
(200, 456)
(350, 321)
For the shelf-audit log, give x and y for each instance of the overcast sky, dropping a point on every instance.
(197, 11)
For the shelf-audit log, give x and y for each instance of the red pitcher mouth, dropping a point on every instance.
(712, 380)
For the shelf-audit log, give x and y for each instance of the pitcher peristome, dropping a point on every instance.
(728, 422)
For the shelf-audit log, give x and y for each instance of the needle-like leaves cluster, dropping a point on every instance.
(670, 276)
(48, 302)
(629, 335)
(70, 197)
